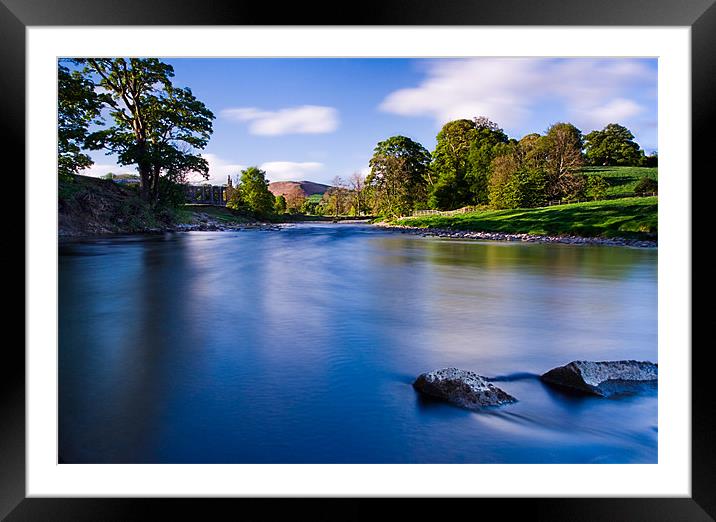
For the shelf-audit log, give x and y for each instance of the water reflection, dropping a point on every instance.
(301, 346)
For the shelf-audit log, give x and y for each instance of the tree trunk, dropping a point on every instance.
(145, 182)
(145, 172)
(155, 185)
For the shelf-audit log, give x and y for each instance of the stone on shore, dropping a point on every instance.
(461, 387)
(603, 378)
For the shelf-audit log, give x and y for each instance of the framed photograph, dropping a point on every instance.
(392, 251)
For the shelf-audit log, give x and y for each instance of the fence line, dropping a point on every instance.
(463, 210)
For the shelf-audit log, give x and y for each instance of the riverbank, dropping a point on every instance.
(624, 222)
(97, 207)
(532, 238)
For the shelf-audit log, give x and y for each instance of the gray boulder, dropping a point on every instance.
(461, 387)
(604, 378)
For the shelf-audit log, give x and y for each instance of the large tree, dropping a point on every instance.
(517, 175)
(561, 151)
(252, 194)
(157, 126)
(399, 175)
(78, 106)
(280, 205)
(488, 138)
(356, 187)
(449, 189)
(613, 145)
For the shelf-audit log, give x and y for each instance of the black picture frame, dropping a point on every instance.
(699, 15)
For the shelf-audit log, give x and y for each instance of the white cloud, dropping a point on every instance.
(101, 169)
(219, 170)
(290, 170)
(588, 92)
(305, 119)
(617, 110)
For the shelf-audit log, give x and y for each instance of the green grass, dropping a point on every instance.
(186, 214)
(622, 179)
(633, 218)
(67, 189)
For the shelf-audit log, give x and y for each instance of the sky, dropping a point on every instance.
(318, 118)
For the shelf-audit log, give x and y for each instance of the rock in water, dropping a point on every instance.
(604, 378)
(461, 387)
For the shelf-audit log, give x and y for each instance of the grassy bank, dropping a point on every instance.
(633, 218)
(189, 214)
(92, 206)
(622, 180)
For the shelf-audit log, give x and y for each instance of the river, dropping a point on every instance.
(301, 345)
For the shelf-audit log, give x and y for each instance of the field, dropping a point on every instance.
(634, 218)
(622, 179)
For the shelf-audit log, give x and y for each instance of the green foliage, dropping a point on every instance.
(596, 186)
(482, 151)
(523, 188)
(252, 194)
(461, 162)
(171, 194)
(335, 200)
(78, 106)
(280, 205)
(399, 175)
(135, 214)
(613, 145)
(646, 185)
(157, 126)
(652, 160)
(309, 205)
(517, 180)
(450, 164)
(627, 217)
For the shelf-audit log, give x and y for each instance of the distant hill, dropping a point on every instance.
(289, 189)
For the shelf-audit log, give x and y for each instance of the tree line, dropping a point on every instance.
(131, 108)
(249, 193)
(476, 163)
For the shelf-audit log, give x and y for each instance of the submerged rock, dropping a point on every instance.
(604, 378)
(462, 387)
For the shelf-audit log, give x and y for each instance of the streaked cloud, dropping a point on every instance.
(305, 119)
(101, 169)
(588, 92)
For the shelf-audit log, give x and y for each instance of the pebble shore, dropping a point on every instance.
(528, 238)
(218, 227)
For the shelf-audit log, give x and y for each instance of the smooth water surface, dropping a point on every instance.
(300, 346)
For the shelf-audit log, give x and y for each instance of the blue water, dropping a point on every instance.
(300, 346)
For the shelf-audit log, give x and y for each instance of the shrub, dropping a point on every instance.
(597, 187)
(170, 194)
(646, 185)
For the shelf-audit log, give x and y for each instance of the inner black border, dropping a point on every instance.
(699, 15)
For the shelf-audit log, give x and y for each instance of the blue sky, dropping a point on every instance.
(320, 118)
